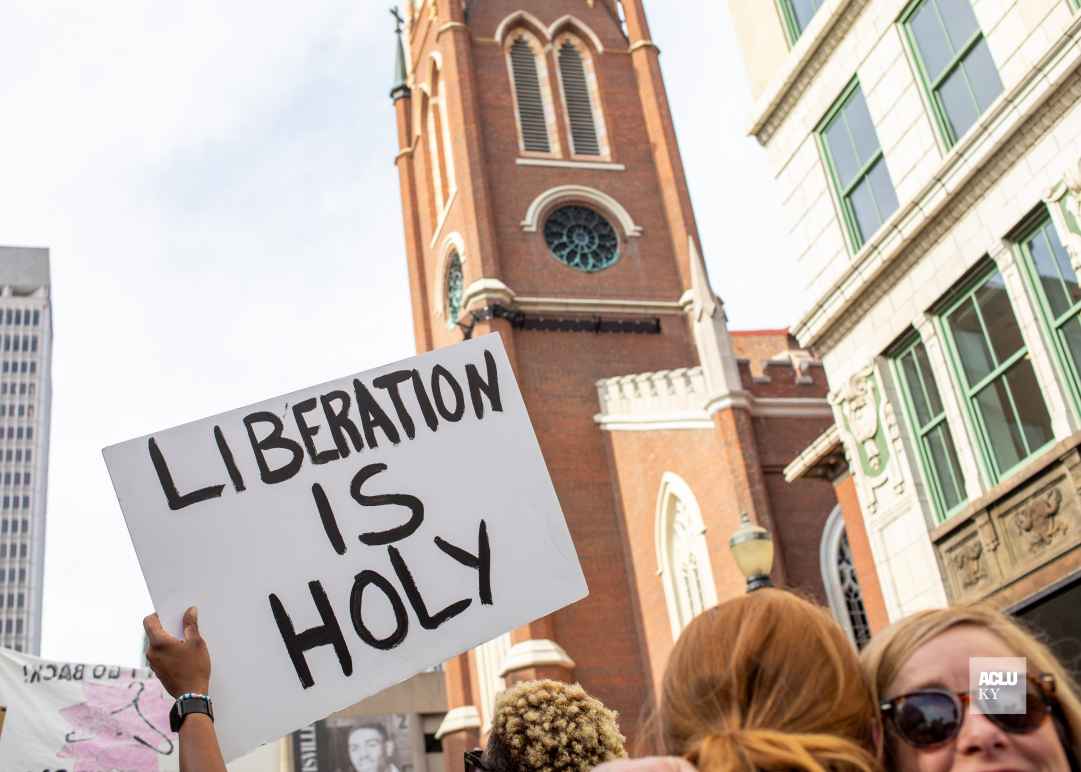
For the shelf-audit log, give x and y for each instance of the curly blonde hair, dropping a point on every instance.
(547, 726)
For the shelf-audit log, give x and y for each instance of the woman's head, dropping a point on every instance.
(547, 726)
(766, 681)
(925, 659)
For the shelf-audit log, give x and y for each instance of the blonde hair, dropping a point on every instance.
(890, 649)
(766, 681)
(549, 726)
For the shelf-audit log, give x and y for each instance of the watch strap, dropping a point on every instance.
(187, 704)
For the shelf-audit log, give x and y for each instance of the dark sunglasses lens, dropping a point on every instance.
(1030, 719)
(926, 719)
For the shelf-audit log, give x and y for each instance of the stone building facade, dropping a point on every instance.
(927, 153)
(544, 199)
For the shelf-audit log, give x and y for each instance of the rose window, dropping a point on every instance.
(581, 238)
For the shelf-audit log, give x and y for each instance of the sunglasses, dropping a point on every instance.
(931, 717)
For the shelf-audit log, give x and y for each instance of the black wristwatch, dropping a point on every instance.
(185, 705)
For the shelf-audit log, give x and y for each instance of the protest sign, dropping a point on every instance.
(339, 539)
(90, 718)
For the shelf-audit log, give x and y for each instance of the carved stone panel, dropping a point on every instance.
(1040, 522)
(1015, 532)
(970, 559)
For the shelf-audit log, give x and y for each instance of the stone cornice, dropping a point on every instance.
(460, 719)
(1017, 120)
(826, 443)
(806, 58)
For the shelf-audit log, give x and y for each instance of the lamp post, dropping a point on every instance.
(752, 549)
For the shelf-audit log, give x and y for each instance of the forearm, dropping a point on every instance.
(199, 750)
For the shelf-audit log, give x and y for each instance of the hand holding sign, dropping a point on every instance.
(182, 666)
(342, 538)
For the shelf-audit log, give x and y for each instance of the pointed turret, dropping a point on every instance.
(401, 72)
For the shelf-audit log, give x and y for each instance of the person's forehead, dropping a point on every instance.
(363, 733)
(944, 660)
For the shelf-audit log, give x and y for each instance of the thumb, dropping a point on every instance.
(191, 624)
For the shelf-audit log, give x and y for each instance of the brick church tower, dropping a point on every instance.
(544, 199)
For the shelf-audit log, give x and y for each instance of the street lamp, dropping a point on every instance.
(752, 548)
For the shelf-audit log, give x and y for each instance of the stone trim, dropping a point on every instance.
(460, 719)
(596, 305)
(570, 164)
(826, 444)
(570, 193)
(680, 399)
(1017, 120)
(535, 653)
(805, 60)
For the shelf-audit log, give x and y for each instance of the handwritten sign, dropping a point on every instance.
(339, 539)
(91, 718)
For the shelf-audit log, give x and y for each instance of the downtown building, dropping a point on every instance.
(544, 199)
(25, 397)
(927, 156)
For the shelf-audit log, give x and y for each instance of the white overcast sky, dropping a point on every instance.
(215, 183)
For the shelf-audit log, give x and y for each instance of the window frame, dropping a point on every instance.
(790, 23)
(938, 109)
(540, 59)
(973, 416)
(1051, 325)
(919, 433)
(593, 87)
(848, 215)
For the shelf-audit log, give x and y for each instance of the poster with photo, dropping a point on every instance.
(355, 744)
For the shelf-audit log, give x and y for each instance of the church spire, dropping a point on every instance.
(401, 77)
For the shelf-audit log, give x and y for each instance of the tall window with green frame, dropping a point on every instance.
(1048, 266)
(856, 165)
(954, 61)
(1000, 387)
(797, 15)
(928, 419)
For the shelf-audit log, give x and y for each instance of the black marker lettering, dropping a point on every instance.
(330, 523)
(412, 503)
(425, 403)
(273, 440)
(489, 388)
(356, 611)
(390, 383)
(441, 373)
(427, 621)
(307, 433)
(172, 496)
(328, 633)
(482, 561)
(338, 420)
(372, 415)
(228, 460)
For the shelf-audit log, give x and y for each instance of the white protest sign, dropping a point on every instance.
(339, 539)
(85, 718)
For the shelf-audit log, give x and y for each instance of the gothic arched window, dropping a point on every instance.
(439, 144)
(454, 287)
(840, 580)
(682, 554)
(532, 100)
(581, 97)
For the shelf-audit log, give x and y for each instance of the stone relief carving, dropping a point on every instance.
(966, 560)
(871, 436)
(1036, 522)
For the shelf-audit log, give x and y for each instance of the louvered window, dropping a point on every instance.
(527, 89)
(579, 105)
